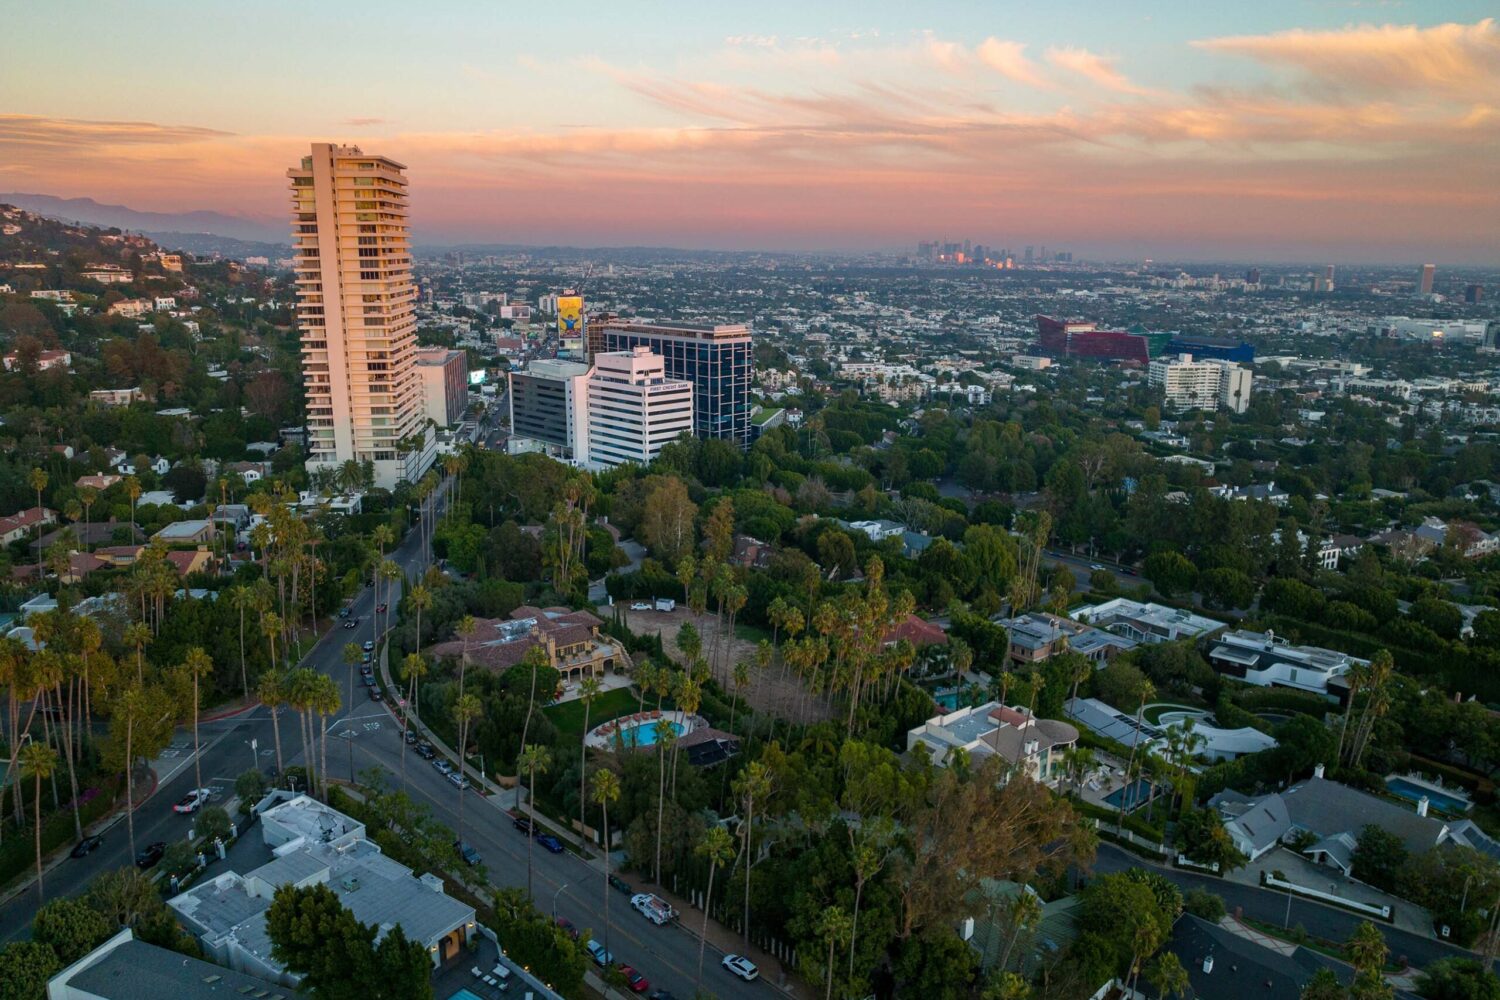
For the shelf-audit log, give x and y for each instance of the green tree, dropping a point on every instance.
(38, 762)
(532, 759)
(312, 933)
(717, 848)
(25, 967)
(1324, 985)
(1170, 572)
(1379, 856)
(70, 928)
(1458, 979)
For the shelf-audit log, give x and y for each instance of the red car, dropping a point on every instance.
(380, 610)
(637, 982)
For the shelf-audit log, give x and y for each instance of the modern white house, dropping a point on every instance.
(1266, 659)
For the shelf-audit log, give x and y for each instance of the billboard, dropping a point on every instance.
(570, 315)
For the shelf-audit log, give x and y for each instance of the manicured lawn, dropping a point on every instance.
(568, 716)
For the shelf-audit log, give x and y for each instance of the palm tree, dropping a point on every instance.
(272, 694)
(352, 655)
(752, 786)
(1147, 692)
(138, 635)
(716, 847)
(38, 482)
(534, 657)
(133, 491)
(1168, 975)
(587, 692)
(242, 599)
(197, 665)
(324, 699)
(465, 710)
(532, 759)
(88, 495)
(38, 761)
(270, 626)
(420, 598)
(390, 572)
(835, 927)
(606, 790)
(665, 737)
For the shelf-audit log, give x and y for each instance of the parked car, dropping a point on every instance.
(365, 670)
(467, 852)
(1096, 567)
(662, 995)
(148, 856)
(369, 646)
(409, 737)
(192, 801)
(460, 780)
(350, 624)
(375, 694)
(601, 958)
(425, 750)
(741, 966)
(343, 612)
(364, 657)
(653, 908)
(522, 823)
(550, 842)
(442, 766)
(566, 926)
(368, 680)
(621, 885)
(86, 845)
(637, 982)
(640, 606)
(380, 609)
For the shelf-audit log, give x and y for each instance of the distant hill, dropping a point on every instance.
(225, 246)
(87, 210)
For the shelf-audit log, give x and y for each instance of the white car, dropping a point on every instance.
(192, 801)
(742, 967)
(640, 606)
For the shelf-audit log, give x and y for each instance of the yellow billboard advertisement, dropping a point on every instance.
(570, 315)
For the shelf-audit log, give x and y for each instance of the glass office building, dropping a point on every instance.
(715, 359)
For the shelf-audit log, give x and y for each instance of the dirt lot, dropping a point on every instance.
(767, 692)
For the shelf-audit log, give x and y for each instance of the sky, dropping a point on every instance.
(1301, 130)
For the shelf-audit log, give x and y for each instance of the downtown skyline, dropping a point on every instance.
(1290, 132)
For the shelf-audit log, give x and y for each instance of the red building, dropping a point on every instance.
(1079, 339)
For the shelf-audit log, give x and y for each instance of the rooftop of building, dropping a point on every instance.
(135, 970)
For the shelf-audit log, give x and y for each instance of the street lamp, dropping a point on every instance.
(554, 901)
(254, 746)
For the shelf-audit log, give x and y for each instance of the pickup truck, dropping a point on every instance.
(653, 908)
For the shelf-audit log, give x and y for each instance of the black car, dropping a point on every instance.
(410, 736)
(621, 885)
(375, 694)
(368, 680)
(150, 855)
(425, 751)
(86, 845)
(522, 823)
(663, 995)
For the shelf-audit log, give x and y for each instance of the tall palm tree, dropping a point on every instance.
(38, 761)
(587, 692)
(1147, 692)
(753, 786)
(242, 599)
(272, 693)
(352, 656)
(390, 572)
(420, 598)
(465, 711)
(133, 491)
(1168, 976)
(38, 481)
(532, 759)
(835, 927)
(666, 736)
(324, 699)
(606, 790)
(197, 665)
(716, 847)
(136, 634)
(87, 496)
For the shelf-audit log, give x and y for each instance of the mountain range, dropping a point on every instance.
(87, 210)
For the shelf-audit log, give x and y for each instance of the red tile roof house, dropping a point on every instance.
(571, 639)
(20, 524)
(917, 632)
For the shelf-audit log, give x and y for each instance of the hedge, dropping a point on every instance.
(18, 853)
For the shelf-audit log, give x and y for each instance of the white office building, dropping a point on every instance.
(633, 408)
(1200, 385)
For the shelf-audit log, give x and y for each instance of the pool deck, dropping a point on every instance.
(602, 736)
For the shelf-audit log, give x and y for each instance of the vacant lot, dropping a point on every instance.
(768, 690)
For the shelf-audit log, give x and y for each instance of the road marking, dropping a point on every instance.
(371, 727)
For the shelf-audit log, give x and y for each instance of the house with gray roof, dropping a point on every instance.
(1147, 622)
(311, 844)
(123, 968)
(1034, 746)
(1335, 814)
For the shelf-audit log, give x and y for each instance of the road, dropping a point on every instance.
(1281, 910)
(665, 955)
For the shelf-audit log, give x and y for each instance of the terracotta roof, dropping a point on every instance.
(917, 632)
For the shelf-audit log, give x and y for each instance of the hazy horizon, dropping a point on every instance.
(1280, 132)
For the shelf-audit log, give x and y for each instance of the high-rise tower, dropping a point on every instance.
(1424, 281)
(353, 269)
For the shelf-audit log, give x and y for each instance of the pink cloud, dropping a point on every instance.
(1097, 69)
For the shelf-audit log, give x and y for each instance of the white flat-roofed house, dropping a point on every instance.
(1265, 659)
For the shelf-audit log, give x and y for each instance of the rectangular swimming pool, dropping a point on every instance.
(464, 994)
(1131, 797)
(1450, 804)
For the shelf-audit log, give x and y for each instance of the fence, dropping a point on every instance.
(1384, 912)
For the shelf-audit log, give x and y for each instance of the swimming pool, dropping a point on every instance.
(947, 700)
(464, 994)
(1133, 796)
(643, 734)
(1451, 804)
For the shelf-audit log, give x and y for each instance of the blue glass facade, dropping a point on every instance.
(717, 366)
(1210, 349)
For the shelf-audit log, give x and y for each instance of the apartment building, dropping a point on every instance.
(717, 360)
(1211, 384)
(445, 384)
(352, 262)
(633, 408)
